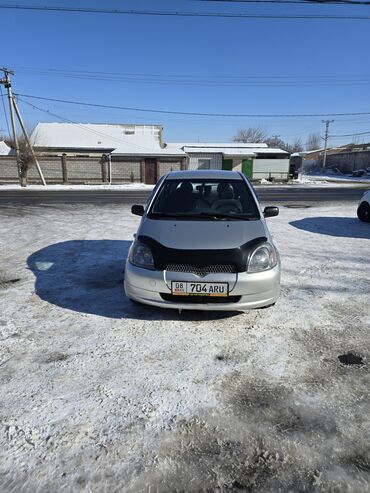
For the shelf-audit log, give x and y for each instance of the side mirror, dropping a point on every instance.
(138, 210)
(271, 211)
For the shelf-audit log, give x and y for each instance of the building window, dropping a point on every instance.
(204, 163)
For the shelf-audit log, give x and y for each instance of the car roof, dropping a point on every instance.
(200, 174)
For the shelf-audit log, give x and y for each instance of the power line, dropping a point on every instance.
(91, 130)
(83, 10)
(207, 81)
(297, 2)
(186, 75)
(192, 113)
(350, 135)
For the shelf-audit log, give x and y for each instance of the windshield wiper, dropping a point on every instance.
(200, 215)
(220, 215)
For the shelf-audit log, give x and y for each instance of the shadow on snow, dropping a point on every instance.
(345, 227)
(86, 276)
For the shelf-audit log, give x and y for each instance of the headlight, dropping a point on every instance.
(263, 258)
(141, 256)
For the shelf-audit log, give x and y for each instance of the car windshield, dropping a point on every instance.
(216, 199)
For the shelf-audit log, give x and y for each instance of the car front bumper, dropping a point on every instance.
(247, 291)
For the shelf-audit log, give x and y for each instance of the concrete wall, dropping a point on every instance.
(85, 170)
(165, 165)
(216, 160)
(270, 168)
(347, 162)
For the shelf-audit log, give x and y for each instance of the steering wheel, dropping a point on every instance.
(228, 208)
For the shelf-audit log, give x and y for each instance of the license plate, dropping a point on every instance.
(200, 288)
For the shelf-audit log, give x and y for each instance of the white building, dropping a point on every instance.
(256, 161)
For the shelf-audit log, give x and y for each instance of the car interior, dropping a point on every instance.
(191, 196)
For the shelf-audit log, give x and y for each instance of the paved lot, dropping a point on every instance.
(100, 395)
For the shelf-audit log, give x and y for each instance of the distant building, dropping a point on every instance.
(137, 152)
(256, 161)
(345, 159)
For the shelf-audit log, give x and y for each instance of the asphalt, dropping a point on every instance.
(272, 194)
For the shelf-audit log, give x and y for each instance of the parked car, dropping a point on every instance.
(363, 211)
(359, 172)
(203, 244)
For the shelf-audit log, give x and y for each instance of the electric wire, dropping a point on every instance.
(194, 113)
(351, 135)
(97, 132)
(208, 82)
(296, 2)
(168, 13)
(67, 120)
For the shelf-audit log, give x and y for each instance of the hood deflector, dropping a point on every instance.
(236, 256)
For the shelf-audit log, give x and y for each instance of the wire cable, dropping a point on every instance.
(193, 113)
(83, 127)
(83, 10)
(296, 2)
(351, 135)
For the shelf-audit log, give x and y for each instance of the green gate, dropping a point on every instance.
(247, 168)
(227, 164)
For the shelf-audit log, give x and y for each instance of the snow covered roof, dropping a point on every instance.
(127, 150)
(240, 145)
(229, 149)
(4, 148)
(138, 139)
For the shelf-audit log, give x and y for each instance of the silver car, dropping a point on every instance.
(203, 244)
(363, 211)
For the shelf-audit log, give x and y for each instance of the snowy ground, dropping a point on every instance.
(49, 188)
(98, 395)
(329, 176)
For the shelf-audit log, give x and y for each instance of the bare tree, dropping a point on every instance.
(313, 142)
(251, 135)
(296, 146)
(25, 159)
(276, 141)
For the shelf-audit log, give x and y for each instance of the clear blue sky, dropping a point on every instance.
(202, 48)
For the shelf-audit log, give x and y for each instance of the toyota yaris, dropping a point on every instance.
(203, 244)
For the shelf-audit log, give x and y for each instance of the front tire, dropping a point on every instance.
(363, 212)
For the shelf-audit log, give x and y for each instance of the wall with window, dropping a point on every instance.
(205, 161)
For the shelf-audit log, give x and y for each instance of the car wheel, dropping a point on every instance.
(363, 212)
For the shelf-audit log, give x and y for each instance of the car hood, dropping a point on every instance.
(199, 235)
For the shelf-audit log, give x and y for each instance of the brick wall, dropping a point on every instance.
(8, 170)
(84, 170)
(126, 170)
(167, 165)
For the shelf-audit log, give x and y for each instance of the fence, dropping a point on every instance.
(84, 170)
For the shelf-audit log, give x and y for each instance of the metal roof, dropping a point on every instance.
(134, 138)
(240, 145)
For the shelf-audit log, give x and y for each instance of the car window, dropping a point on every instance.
(202, 198)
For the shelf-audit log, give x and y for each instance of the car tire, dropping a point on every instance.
(363, 212)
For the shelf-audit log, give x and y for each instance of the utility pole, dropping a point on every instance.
(13, 107)
(8, 86)
(327, 123)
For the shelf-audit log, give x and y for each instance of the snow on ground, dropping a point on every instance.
(49, 188)
(329, 176)
(101, 395)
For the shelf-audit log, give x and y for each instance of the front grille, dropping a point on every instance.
(200, 300)
(201, 270)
